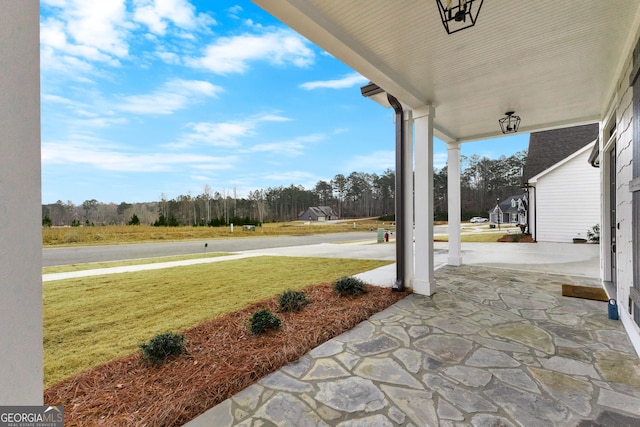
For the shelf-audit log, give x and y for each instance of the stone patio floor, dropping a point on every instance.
(492, 347)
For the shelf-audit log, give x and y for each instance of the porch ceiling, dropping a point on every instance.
(552, 62)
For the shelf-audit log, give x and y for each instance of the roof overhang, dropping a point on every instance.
(589, 147)
(555, 63)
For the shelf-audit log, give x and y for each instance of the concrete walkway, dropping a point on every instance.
(493, 347)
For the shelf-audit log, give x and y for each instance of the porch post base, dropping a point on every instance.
(455, 261)
(424, 287)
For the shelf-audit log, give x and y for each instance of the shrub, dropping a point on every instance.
(293, 300)
(161, 347)
(134, 220)
(349, 286)
(593, 235)
(263, 320)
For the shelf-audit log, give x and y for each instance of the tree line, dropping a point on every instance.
(358, 194)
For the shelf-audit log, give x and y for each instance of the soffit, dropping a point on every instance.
(554, 63)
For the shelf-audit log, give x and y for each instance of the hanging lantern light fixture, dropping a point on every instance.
(510, 122)
(457, 15)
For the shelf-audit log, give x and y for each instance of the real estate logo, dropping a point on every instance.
(31, 416)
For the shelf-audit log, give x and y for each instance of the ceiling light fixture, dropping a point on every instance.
(458, 14)
(510, 122)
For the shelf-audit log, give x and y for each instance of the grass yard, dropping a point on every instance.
(90, 321)
(139, 261)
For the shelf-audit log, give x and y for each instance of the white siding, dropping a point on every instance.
(567, 201)
(624, 237)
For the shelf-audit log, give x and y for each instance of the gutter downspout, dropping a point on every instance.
(528, 187)
(535, 214)
(399, 201)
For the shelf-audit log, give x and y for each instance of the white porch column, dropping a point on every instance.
(453, 197)
(424, 282)
(20, 211)
(408, 199)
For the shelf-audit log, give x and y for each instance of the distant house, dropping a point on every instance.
(564, 189)
(318, 213)
(512, 210)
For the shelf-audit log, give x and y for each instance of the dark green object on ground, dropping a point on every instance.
(349, 286)
(292, 300)
(161, 347)
(264, 320)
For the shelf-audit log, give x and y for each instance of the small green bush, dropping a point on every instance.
(293, 300)
(134, 220)
(349, 286)
(161, 347)
(263, 320)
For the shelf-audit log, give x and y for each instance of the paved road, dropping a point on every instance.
(84, 254)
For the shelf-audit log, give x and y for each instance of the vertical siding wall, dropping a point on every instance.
(568, 201)
(624, 170)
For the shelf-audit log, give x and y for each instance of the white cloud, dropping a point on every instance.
(157, 14)
(376, 161)
(234, 54)
(225, 134)
(346, 82)
(306, 179)
(56, 99)
(382, 160)
(439, 160)
(174, 95)
(112, 159)
(78, 33)
(99, 122)
(70, 66)
(168, 57)
(293, 147)
(75, 115)
(234, 11)
(91, 30)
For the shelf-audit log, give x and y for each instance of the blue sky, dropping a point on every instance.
(148, 97)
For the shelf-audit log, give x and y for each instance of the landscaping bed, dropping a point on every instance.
(517, 238)
(222, 358)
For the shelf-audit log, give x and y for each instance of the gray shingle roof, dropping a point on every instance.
(549, 147)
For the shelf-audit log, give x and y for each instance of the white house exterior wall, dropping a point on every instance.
(624, 239)
(567, 201)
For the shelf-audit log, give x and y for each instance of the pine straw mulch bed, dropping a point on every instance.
(223, 357)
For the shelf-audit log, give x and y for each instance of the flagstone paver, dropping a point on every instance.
(491, 348)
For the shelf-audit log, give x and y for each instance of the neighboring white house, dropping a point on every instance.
(564, 189)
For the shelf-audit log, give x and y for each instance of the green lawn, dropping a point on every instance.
(109, 264)
(92, 320)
